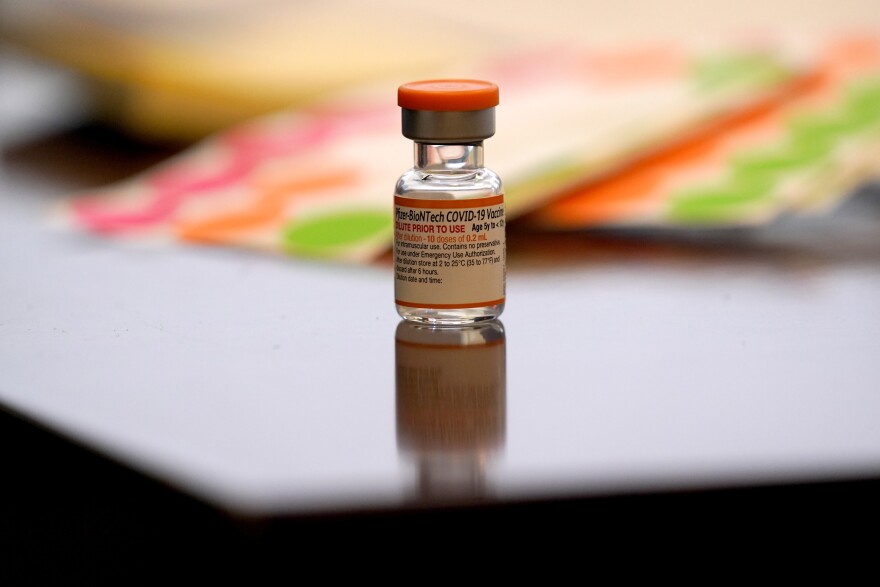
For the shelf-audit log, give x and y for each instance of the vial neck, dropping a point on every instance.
(448, 158)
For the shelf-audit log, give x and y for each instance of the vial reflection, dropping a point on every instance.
(450, 405)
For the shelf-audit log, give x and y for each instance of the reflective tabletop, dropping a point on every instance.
(624, 361)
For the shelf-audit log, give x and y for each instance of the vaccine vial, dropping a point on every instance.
(449, 234)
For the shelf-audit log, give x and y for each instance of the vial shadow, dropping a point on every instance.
(451, 408)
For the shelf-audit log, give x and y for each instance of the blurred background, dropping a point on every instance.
(171, 71)
(755, 110)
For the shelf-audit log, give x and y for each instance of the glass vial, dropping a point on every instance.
(449, 233)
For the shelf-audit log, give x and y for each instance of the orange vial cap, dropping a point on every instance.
(448, 95)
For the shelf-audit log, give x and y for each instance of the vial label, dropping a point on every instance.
(449, 253)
